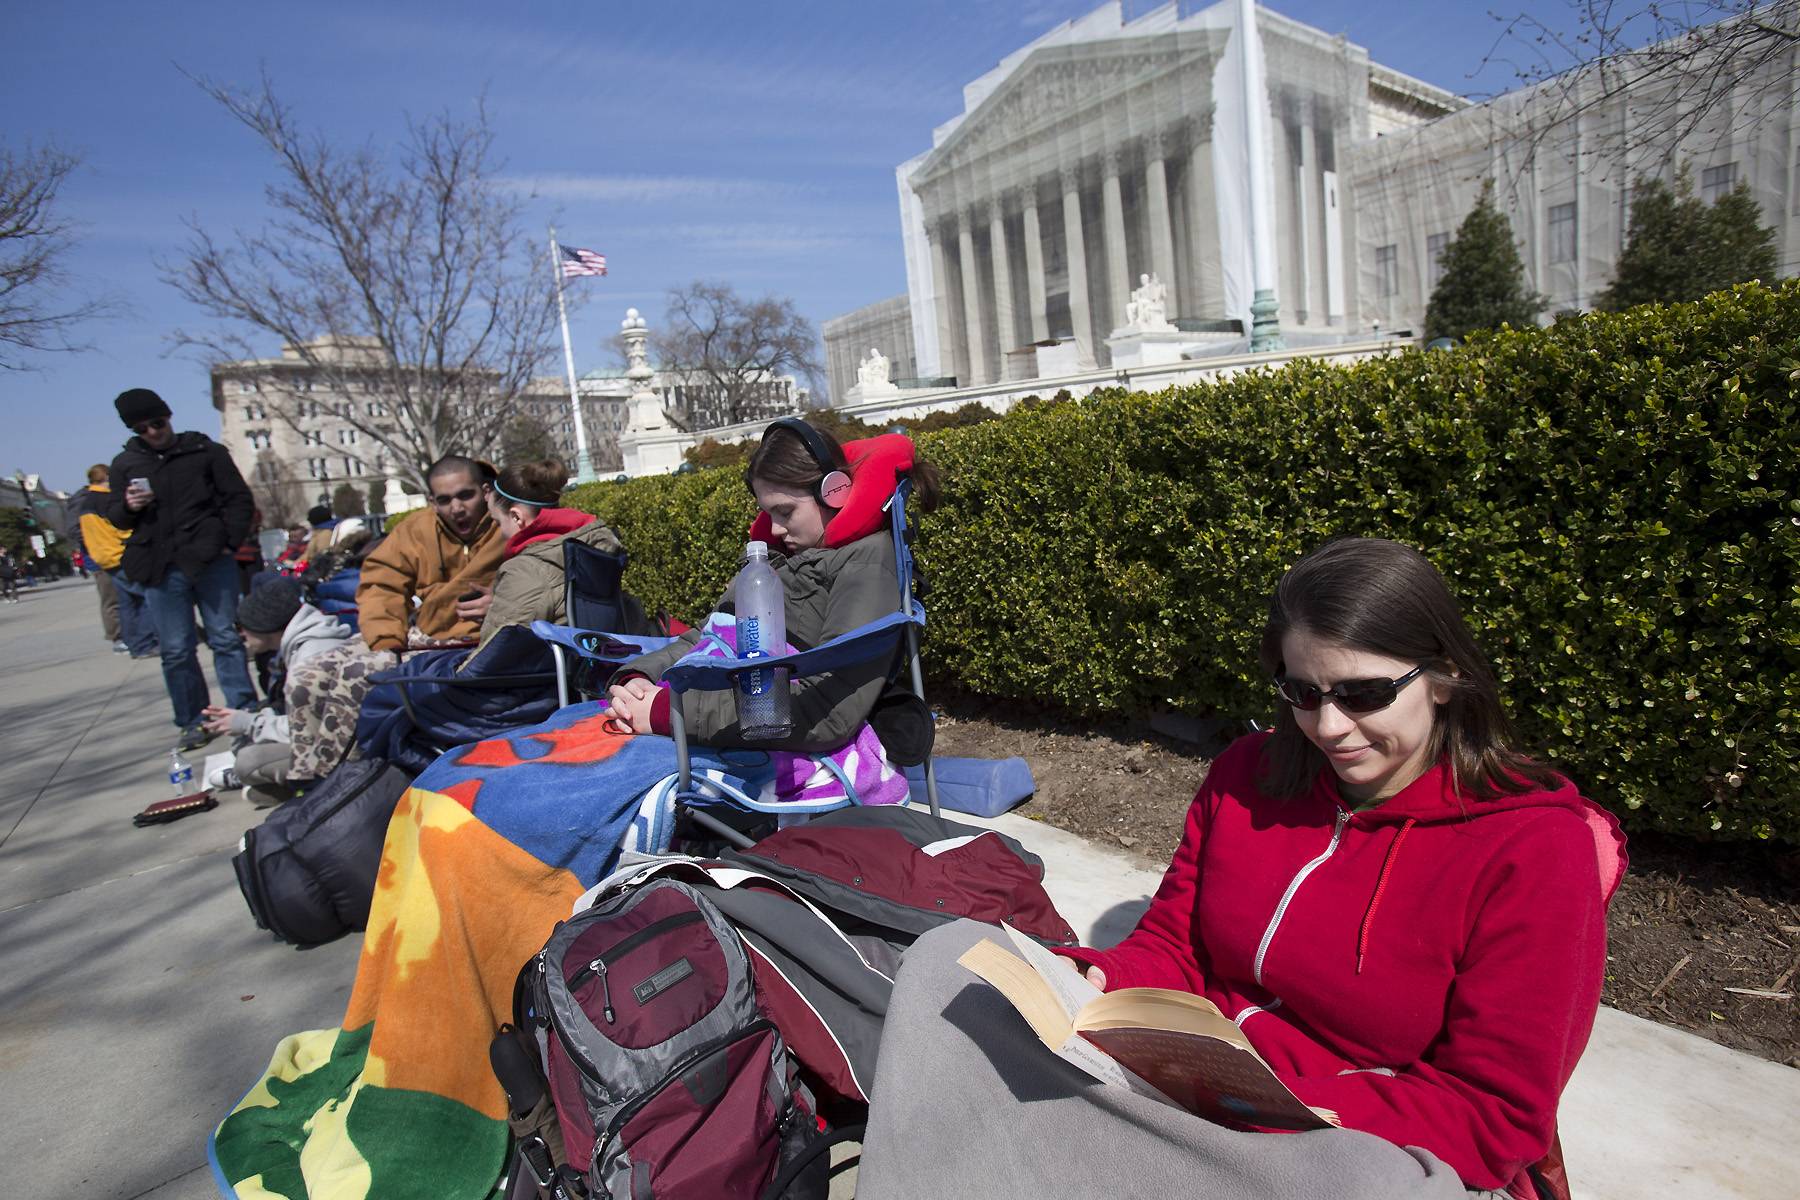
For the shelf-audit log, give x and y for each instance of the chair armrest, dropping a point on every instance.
(583, 641)
(471, 681)
(697, 672)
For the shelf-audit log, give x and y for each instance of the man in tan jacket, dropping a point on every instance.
(444, 557)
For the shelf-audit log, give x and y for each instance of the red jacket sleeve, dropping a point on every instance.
(1160, 952)
(1484, 1097)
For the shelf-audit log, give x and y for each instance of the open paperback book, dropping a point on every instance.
(1171, 1046)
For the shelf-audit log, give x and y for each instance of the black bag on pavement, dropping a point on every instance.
(308, 871)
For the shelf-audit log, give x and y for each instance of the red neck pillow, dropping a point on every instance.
(876, 466)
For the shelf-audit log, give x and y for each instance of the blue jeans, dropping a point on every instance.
(135, 627)
(172, 603)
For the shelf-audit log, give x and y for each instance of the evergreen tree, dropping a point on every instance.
(1740, 247)
(1483, 284)
(1679, 248)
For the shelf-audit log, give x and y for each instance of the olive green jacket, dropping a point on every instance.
(829, 593)
(529, 585)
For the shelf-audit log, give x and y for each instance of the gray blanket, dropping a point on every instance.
(967, 1102)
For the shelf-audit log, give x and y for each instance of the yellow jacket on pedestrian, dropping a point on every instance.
(105, 541)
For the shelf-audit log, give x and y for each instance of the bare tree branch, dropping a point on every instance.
(33, 242)
(733, 352)
(407, 280)
(1664, 70)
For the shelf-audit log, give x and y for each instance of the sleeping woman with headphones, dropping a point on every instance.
(823, 517)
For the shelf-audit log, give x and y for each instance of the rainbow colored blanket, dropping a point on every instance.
(485, 853)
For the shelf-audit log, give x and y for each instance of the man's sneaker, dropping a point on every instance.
(194, 737)
(121, 648)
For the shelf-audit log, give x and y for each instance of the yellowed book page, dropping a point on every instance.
(1070, 986)
(1029, 992)
(1023, 988)
(1162, 1008)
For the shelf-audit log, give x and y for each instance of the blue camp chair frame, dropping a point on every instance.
(883, 636)
(880, 637)
(568, 643)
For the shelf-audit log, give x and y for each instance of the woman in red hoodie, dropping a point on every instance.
(1404, 914)
(529, 585)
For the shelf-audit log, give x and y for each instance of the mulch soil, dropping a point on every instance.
(1705, 938)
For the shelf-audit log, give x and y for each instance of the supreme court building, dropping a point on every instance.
(1108, 150)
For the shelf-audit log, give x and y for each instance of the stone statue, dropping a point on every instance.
(1148, 308)
(872, 372)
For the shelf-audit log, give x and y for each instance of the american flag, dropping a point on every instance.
(581, 262)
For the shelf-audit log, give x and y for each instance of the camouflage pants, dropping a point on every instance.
(324, 696)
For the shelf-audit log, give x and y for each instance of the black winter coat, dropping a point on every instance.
(202, 510)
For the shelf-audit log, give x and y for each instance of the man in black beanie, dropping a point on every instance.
(186, 510)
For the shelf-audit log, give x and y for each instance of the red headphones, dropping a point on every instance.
(833, 490)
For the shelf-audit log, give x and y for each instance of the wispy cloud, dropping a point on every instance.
(750, 239)
(660, 189)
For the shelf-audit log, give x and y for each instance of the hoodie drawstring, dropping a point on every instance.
(1387, 864)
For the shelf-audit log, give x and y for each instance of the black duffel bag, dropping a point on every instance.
(308, 871)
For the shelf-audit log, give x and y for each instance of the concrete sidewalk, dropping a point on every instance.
(138, 1000)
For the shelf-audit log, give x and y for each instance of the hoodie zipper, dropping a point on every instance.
(1262, 949)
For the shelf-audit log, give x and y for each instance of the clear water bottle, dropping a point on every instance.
(181, 773)
(762, 696)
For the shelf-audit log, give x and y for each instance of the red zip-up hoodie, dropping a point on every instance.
(1429, 969)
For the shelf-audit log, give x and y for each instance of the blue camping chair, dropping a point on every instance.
(593, 599)
(884, 637)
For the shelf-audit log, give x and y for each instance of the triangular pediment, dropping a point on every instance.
(1057, 84)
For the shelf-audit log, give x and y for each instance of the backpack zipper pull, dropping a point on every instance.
(598, 967)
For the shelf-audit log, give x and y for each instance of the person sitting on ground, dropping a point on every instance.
(320, 524)
(824, 520)
(292, 559)
(274, 617)
(442, 559)
(530, 583)
(1403, 913)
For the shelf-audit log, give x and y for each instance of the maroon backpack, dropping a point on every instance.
(666, 1078)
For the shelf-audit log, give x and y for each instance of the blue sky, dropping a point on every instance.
(751, 143)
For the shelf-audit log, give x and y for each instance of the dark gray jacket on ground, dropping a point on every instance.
(829, 593)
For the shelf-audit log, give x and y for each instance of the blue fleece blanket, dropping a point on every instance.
(567, 789)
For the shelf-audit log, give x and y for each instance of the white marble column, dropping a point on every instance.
(1118, 271)
(1006, 333)
(1156, 192)
(1318, 267)
(1034, 264)
(1203, 221)
(1080, 313)
(971, 297)
(1307, 203)
(950, 357)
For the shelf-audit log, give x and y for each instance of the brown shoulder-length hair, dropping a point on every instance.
(782, 458)
(1382, 597)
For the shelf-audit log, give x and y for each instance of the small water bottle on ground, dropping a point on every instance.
(181, 774)
(762, 696)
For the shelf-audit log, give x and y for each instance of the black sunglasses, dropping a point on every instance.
(143, 427)
(1352, 695)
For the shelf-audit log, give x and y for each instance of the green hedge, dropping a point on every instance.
(1611, 498)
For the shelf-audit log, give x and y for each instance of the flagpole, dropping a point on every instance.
(584, 466)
